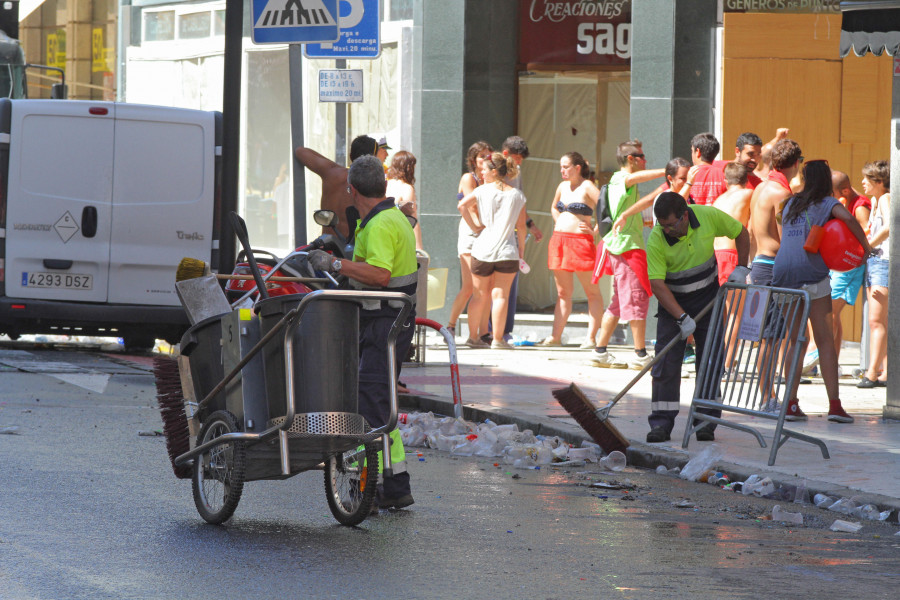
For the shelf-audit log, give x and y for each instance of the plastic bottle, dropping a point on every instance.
(823, 501)
(614, 461)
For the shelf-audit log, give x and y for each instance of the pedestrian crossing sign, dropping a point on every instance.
(295, 21)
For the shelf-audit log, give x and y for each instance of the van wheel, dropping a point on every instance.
(139, 342)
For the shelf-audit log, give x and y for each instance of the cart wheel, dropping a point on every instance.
(350, 486)
(219, 472)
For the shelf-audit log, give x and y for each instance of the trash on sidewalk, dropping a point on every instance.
(759, 487)
(788, 517)
(662, 470)
(614, 461)
(9, 430)
(521, 449)
(845, 526)
(701, 463)
(684, 504)
(150, 433)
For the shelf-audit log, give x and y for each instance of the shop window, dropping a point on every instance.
(219, 22)
(192, 26)
(159, 26)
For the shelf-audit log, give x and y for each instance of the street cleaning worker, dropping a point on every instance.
(384, 260)
(681, 263)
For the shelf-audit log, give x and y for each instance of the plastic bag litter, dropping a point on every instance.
(701, 463)
(463, 438)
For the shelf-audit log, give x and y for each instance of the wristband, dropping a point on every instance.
(682, 317)
(689, 183)
(529, 223)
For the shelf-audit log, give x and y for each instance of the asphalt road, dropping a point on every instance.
(89, 509)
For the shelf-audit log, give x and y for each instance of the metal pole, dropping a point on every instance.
(340, 124)
(295, 66)
(231, 127)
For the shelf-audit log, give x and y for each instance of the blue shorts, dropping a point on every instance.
(877, 270)
(845, 285)
(761, 270)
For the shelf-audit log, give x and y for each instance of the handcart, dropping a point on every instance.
(276, 393)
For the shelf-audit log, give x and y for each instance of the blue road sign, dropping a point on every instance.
(360, 24)
(295, 21)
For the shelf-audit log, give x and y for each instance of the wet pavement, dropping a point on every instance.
(865, 455)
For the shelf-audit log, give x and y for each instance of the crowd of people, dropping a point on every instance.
(743, 219)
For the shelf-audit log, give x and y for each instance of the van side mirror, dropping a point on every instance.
(59, 91)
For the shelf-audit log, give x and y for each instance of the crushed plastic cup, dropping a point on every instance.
(847, 526)
(701, 462)
(787, 517)
(614, 461)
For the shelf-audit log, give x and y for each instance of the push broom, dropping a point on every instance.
(595, 421)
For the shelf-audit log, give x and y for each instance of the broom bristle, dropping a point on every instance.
(191, 268)
(171, 409)
(584, 412)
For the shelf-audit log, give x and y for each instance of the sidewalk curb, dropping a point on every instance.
(639, 454)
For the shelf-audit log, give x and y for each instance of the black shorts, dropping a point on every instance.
(486, 269)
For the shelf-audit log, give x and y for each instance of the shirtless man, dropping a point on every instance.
(764, 164)
(766, 203)
(736, 203)
(334, 177)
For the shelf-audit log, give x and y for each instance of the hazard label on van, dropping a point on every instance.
(66, 227)
(61, 281)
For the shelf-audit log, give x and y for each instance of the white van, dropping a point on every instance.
(100, 201)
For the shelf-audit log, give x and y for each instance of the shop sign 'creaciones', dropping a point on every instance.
(575, 32)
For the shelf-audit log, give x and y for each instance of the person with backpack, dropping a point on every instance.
(623, 255)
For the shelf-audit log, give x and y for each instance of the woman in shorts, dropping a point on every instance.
(499, 226)
(572, 250)
(877, 184)
(798, 269)
(467, 183)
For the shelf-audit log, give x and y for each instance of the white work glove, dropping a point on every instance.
(740, 274)
(321, 261)
(687, 325)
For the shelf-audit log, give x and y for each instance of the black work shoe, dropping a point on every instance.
(658, 434)
(705, 435)
(397, 503)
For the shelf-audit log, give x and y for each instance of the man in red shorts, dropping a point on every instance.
(625, 258)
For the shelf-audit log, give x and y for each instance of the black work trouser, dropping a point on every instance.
(374, 385)
(666, 396)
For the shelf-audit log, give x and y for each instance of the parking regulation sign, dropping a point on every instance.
(295, 21)
(360, 32)
(340, 85)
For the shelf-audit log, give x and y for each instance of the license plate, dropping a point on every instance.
(62, 281)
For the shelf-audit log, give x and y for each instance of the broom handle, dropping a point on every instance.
(657, 358)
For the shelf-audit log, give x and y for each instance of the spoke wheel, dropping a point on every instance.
(351, 479)
(219, 472)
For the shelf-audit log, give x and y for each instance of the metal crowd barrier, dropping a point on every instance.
(752, 326)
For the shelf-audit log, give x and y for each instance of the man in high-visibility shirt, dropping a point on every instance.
(384, 259)
(681, 263)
